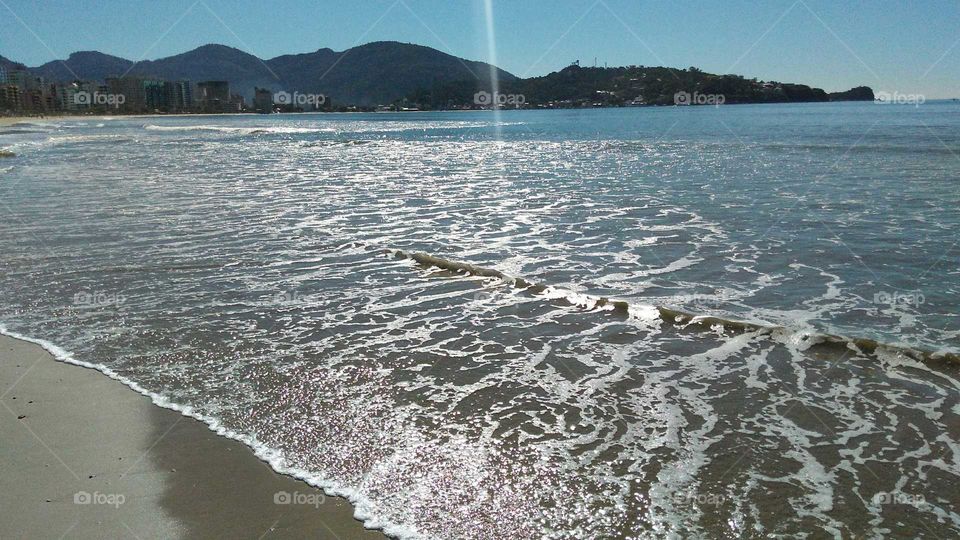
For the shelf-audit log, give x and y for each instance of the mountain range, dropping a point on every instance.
(385, 72)
(379, 72)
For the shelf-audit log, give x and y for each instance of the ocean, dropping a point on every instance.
(300, 283)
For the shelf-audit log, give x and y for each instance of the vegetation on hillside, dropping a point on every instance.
(576, 86)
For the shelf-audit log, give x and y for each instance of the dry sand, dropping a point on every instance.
(83, 456)
(10, 120)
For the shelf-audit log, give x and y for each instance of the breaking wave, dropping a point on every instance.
(241, 130)
(680, 318)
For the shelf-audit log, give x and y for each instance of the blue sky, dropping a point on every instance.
(907, 46)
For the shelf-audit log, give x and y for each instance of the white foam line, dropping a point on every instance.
(363, 507)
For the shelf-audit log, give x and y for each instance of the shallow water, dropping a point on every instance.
(236, 268)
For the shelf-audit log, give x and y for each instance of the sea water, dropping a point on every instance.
(245, 270)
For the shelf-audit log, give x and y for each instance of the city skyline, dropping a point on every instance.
(835, 46)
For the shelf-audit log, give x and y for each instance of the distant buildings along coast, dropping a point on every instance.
(21, 92)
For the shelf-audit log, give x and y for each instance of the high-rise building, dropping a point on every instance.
(67, 97)
(237, 103)
(133, 91)
(263, 100)
(214, 96)
(3, 75)
(181, 96)
(156, 95)
(31, 93)
(10, 98)
(22, 79)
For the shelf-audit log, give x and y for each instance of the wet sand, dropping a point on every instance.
(83, 456)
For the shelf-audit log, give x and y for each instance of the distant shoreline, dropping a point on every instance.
(11, 120)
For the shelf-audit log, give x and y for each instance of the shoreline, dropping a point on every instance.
(87, 456)
(10, 120)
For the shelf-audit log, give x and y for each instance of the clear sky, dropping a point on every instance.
(910, 46)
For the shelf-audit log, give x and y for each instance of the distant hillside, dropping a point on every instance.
(659, 85)
(860, 93)
(10, 64)
(634, 85)
(380, 72)
(370, 74)
(87, 65)
(244, 71)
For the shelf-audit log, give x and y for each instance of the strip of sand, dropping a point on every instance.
(83, 456)
(11, 120)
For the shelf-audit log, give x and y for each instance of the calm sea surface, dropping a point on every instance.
(237, 268)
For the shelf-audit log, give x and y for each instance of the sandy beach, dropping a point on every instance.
(11, 120)
(86, 457)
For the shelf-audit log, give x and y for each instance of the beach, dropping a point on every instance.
(11, 120)
(86, 457)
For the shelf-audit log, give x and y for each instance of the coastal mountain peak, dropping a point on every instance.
(88, 55)
(216, 49)
(93, 65)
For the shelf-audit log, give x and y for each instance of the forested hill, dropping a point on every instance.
(634, 85)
